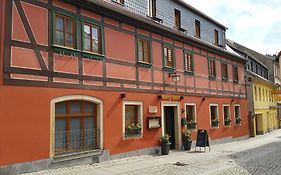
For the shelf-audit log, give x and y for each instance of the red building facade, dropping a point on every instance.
(83, 79)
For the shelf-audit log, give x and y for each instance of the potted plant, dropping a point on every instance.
(215, 122)
(238, 120)
(165, 144)
(191, 124)
(227, 121)
(183, 121)
(133, 129)
(186, 139)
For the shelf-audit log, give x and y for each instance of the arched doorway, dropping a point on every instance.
(76, 124)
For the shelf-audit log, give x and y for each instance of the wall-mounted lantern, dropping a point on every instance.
(175, 77)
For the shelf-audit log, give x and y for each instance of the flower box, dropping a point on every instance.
(191, 125)
(227, 121)
(215, 123)
(133, 131)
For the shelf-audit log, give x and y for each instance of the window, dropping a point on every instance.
(190, 111)
(152, 8)
(132, 119)
(214, 115)
(197, 29)
(188, 62)
(119, 1)
(224, 71)
(235, 74)
(143, 50)
(212, 68)
(259, 93)
(216, 37)
(226, 115)
(92, 38)
(75, 126)
(168, 57)
(237, 114)
(177, 19)
(256, 95)
(64, 31)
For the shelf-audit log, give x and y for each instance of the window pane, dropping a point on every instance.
(60, 134)
(131, 115)
(95, 33)
(60, 108)
(213, 112)
(59, 23)
(87, 44)
(88, 131)
(69, 25)
(69, 40)
(88, 107)
(75, 133)
(190, 115)
(87, 32)
(226, 112)
(59, 38)
(95, 45)
(140, 50)
(75, 107)
(146, 52)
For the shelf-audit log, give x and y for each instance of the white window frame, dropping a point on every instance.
(226, 105)
(218, 115)
(140, 104)
(235, 113)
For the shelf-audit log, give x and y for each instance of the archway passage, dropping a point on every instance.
(75, 126)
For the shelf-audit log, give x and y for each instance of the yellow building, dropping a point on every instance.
(265, 107)
(262, 78)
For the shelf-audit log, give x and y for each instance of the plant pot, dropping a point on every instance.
(165, 148)
(186, 143)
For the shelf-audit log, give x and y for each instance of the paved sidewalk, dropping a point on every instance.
(242, 157)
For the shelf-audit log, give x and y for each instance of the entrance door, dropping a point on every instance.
(170, 124)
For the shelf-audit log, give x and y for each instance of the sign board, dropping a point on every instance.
(154, 122)
(202, 139)
(152, 109)
(171, 97)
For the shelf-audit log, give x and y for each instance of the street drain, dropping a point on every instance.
(180, 164)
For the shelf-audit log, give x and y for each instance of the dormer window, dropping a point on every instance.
(152, 8)
(177, 19)
(216, 42)
(197, 29)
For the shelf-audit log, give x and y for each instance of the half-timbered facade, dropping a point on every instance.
(98, 80)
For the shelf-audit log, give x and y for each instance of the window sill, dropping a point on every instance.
(212, 78)
(225, 79)
(189, 73)
(169, 69)
(122, 4)
(215, 127)
(144, 64)
(154, 18)
(137, 136)
(92, 56)
(65, 50)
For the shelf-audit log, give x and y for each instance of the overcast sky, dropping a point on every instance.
(255, 24)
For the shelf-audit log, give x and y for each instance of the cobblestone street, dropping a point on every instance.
(259, 155)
